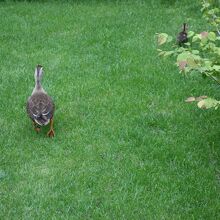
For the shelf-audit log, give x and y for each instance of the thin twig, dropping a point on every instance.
(213, 78)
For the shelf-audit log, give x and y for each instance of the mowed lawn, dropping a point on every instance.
(126, 146)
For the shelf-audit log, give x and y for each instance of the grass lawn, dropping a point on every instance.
(127, 146)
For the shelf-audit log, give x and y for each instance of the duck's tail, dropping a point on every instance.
(41, 119)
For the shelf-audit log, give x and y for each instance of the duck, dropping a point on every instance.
(182, 36)
(40, 106)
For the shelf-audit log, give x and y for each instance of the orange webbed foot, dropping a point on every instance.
(37, 129)
(51, 133)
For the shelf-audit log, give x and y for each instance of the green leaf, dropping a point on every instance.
(165, 53)
(191, 62)
(183, 56)
(190, 99)
(216, 67)
(182, 65)
(169, 39)
(199, 98)
(208, 103)
(187, 44)
(190, 33)
(195, 38)
(204, 34)
(162, 38)
(162, 53)
(204, 41)
(168, 53)
(212, 36)
(181, 49)
(208, 63)
(211, 12)
(205, 5)
(217, 50)
(195, 51)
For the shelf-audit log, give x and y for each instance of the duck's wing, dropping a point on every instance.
(40, 108)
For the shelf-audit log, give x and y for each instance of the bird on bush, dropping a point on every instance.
(182, 36)
(40, 107)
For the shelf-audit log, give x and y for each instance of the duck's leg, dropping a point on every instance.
(36, 127)
(51, 131)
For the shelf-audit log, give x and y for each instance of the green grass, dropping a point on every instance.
(126, 144)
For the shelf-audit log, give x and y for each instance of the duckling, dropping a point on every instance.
(40, 107)
(182, 36)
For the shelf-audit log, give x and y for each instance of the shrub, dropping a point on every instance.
(200, 54)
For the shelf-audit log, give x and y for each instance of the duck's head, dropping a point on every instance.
(38, 72)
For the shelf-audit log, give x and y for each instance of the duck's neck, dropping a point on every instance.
(38, 87)
(38, 84)
(184, 27)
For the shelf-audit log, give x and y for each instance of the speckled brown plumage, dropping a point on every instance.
(40, 108)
